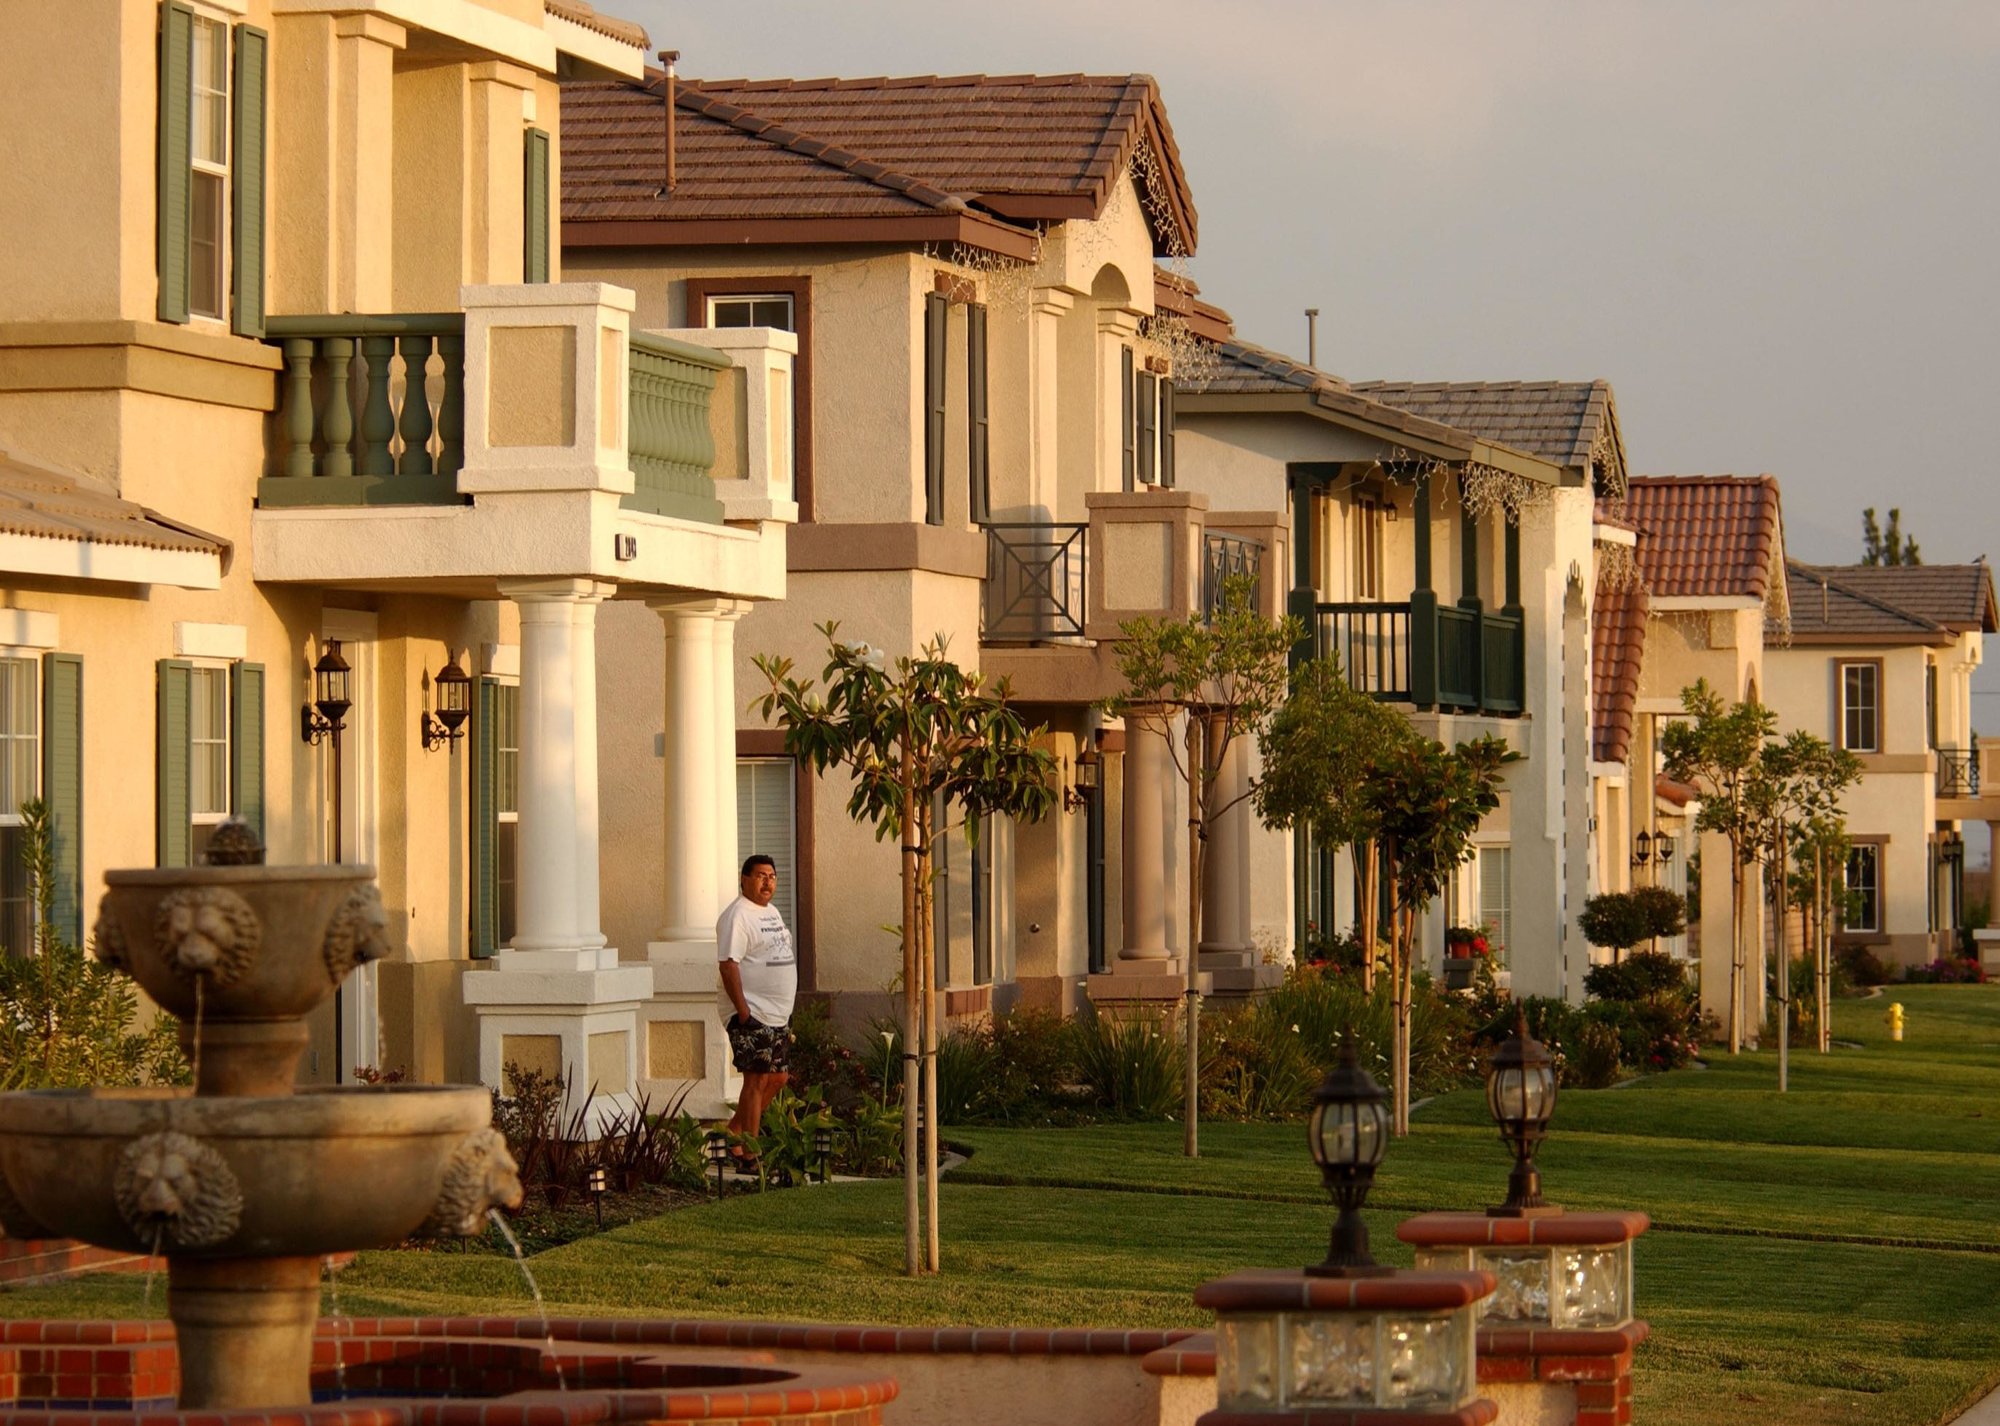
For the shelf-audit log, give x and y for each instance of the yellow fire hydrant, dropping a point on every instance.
(1895, 1019)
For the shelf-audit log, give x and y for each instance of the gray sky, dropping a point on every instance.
(1775, 227)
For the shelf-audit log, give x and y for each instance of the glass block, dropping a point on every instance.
(1331, 1360)
(1593, 1287)
(1521, 1291)
(1424, 1360)
(1246, 1362)
(1443, 1259)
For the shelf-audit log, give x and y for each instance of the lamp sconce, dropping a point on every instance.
(1951, 848)
(1663, 849)
(1077, 794)
(1642, 849)
(325, 713)
(446, 723)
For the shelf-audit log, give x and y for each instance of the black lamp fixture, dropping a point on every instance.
(1663, 849)
(823, 1151)
(1348, 1131)
(597, 1188)
(1642, 848)
(1521, 1094)
(1077, 794)
(325, 713)
(715, 1148)
(1951, 848)
(446, 725)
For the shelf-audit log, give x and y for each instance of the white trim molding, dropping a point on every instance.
(29, 629)
(210, 641)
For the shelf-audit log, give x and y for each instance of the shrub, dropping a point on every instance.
(1033, 1064)
(1862, 966)
(1947, 971)
(1666, 911)
(1593, 1055)
(1132, 1063)
(1579, 1043)
(1252, 1068)
(1615, 919)
(1340, 951)
(1643, 975)
(964, 1074)
(784, 1143)
(820, 1059)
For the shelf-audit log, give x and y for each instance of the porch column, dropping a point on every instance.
(1225, 878)
(1423, 605)
(693, 707)
(1047, 306)
(727, 707)
(1117, 330)
(1144, 879)
(583, 669)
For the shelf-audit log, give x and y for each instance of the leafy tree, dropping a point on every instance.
(1618, 920)
(1665, 911)
(1716, 751)
(1426, 802)
(1818, 887)
(66, 1018)
(1887, 546)
(1318, 751)
(1212, 679)
(923, 737)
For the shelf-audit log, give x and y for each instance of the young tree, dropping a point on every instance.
(1890, 546)
(1819, 889)
(1426, 803)
(1212, 678)
(1318, 751)
(1797, 781)
(1618, 920)
(925, 735)
(1715, 752)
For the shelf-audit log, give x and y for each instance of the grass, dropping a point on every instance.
(1780, 1278)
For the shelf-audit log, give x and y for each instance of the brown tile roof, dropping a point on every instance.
(1922, 603)
(1706, 535)
(1561, 421)
(579, 13)
(1182, 296)
(48, 504)
(1617, 651)
(1022, 148)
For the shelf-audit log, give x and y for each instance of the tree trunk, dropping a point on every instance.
(1405, 973)
(1371, 868)
(927, 970)
(912, 1030)
(1822, 951)
(1191, 1086)
(1784, 967)
(1735, 951)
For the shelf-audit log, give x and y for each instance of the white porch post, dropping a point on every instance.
(557, 999)
(1144, 879)
(727, 707)
(1225, 879)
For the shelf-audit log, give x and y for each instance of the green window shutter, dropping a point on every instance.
(1167, 434)
(1127, 420)
(1149, 406)
(246, 744)
(936, 310)
(978, 425)
(247, 164)
(62, 786)
(485, 817)
(535, 215)
(175, 208)
(174, 800)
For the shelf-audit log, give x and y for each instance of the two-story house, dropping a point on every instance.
(1879, 660)
(316, 480)
(984, 427)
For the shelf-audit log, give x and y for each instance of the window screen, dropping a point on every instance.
(1496, 870)
(766, 823)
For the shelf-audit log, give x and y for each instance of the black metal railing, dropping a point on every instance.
(1372, 642)
(1505, 668)
(1226, 557)
(1035, 582)
(1958, 772)
(1459, 650)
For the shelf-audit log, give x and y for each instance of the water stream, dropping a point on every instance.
(330, 1275)
(200, 1004)
(534, 1290)
(152, 1257)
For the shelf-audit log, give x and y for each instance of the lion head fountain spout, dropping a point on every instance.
(238, 1184)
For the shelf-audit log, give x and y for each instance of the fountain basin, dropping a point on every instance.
(307, 1174)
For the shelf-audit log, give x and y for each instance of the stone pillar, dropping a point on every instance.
(1986, 941)
(1047, 307)
(361, 153)
(496, 104)
(1145, 904)
(727, 706)
(1227, 951)
(688, 879)
(1117, 330)
(557, 1000)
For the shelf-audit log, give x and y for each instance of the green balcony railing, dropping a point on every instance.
(1382, 648)
(1505, 668)
(372, 410)
(1459, 657)
(672, 448)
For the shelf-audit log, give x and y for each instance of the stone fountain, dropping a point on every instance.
(248, 1182)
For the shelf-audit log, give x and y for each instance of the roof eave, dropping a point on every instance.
(902, 230)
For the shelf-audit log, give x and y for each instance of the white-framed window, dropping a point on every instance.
(209, 723)
(20, 781)
(767, 824)
(1860, 707)
(506, 809)
(752, 309)
(208, 219)
(1496, 895)
(1864, 885)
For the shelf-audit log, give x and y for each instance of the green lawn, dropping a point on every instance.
(1828, 1254)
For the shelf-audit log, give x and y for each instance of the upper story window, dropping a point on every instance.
(209, 151)
(20, 781)
(752, 309)
(1860, 715)
(210, 189)
(208, 753)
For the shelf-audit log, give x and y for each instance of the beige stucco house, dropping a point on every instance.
(1879, 660)
(289, 376)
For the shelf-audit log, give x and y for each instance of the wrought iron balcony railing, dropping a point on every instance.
(1226, 557)
(1036, 585)
(1958, 772)
(1373, 644)
(1477, 668)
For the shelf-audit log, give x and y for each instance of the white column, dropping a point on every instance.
(1145, 892)
(558, 821)
(1117, 329)
(583, 665)
(1047, 307)
(693, 764)
(727, 707)
(1225, 880)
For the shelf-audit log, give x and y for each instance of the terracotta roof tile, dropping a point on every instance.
(1025, 148)
(1561, 421)
(1917, 601)
(51, 505)
(579, 13)
(1707, 535)
(1617, 652)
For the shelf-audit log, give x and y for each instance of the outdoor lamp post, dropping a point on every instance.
(597, 1187)
(1521, 1093)
(823, 1151)
(1077, 794)
(1642, 848)
(446, 725)
(1348, 1131)
(715, 1147)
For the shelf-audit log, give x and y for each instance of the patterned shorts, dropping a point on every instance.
(757, 1048)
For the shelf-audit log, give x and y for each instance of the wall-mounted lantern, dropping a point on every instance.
(452, 692)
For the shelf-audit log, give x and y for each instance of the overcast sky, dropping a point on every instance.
(1775, 227)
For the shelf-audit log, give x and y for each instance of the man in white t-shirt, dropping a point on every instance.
(760, 980)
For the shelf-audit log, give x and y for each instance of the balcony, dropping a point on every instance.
(1226, 557)
(1453, 657)
(1958, 771)
(1036, 589)
(672, 450)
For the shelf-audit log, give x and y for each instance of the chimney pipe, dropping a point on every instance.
(668, 58)
(1312, 336)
